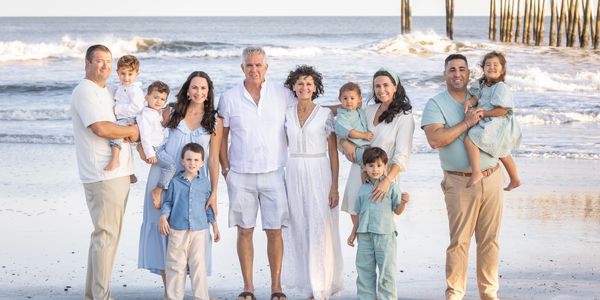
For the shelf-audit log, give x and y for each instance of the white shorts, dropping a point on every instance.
(249, 191)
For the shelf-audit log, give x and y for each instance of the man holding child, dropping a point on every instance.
(106, 192)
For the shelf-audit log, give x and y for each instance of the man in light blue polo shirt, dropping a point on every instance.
(477, 209)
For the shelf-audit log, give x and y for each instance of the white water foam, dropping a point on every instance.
(421, 44)
(536, 80)
(67, 48)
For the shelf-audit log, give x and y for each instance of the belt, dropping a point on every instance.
(486, 172)
(308, 155)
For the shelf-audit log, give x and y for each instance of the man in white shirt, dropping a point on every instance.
(254, 113)
(105, 191)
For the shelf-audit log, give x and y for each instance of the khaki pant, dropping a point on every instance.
(473, 210)
(106, 201)
(186, 249)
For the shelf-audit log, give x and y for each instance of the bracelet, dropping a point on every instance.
(466, 124)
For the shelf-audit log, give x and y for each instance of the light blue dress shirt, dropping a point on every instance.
(376, 217)
(184, 203)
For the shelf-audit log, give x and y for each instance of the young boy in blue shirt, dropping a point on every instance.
(376, 230)
(185, 220)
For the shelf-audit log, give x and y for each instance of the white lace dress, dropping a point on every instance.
(312, 258)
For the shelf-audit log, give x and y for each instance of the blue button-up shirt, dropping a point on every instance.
(184, 203)
(376, 217)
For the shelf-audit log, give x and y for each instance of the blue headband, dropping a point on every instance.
(393, 74)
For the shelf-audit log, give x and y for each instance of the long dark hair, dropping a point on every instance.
(183, 102)
(400, 102)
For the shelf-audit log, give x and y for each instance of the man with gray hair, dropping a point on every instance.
(252, 164)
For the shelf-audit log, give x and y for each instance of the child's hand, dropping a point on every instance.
(152, 160)
(163, 226)
(216, 231)
(368, 136)
(405, 197)
(351, 238)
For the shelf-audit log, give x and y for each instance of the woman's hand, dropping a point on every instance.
(381, 190)
(349, 150)
(163, 225)
(212, 202)
(334, 198)
(152, 160)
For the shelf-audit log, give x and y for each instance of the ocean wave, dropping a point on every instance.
(68, 48)
(421, 44)
(545, 117)
(536, 80)
(35, 88)
(35, 115)
(35, 139)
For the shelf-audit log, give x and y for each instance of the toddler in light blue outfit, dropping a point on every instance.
(351, 122)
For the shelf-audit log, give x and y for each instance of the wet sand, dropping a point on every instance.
(550, 239)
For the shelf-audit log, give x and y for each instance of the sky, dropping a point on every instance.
(238, 8)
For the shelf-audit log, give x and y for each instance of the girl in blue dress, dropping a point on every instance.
(497, 133)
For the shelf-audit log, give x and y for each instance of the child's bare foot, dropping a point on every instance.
(156, 195)
(513, 184)
(132, 178)
(113, 164)
(475, 178)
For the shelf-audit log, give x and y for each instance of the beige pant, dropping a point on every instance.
(473, 210)
(106, 201)
(186, 249)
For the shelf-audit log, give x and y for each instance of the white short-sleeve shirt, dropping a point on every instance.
(258, 143)
(91, 103)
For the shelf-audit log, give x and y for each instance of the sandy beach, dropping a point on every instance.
(550, 241)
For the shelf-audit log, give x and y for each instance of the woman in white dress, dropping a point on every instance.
(312, 259)
(391, 121)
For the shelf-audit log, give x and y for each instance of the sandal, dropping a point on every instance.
(246, 294)
(278, 296)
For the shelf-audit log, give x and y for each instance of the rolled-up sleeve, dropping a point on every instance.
(342, 126)
(404, 140)
(223, 110)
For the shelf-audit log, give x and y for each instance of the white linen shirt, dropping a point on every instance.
(129, 100)
(90, 104)
(258, 142)
(152, 133)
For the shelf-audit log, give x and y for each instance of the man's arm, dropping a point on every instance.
(110, 130)
(223, 155)
(438, 136)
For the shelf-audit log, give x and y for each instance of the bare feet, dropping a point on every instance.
(475, 178)
(112, 164)
(513, 184)
(156, 194)
(132, 178)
